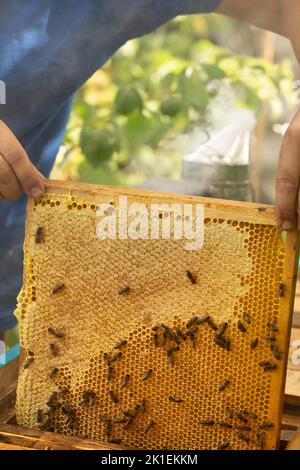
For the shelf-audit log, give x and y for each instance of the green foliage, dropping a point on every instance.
(98, 145)
(171, 105)
(128, 100)
(156, 88)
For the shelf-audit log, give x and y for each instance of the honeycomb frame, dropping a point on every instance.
(244, 261)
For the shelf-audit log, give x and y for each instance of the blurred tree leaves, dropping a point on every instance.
(153, 90)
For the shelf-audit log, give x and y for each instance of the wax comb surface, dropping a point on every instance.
(152, 344)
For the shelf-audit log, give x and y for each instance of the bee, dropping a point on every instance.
(124, 290)
(39, 235)
(127, 413)
(115, 357)
(241, 417)
(149, 426)
(61, 393)
(272, 327)
(223, 385)
(170, 357)
(254, 343)
(109, 427)
(222, 329)
(192, 330)
(68, 420)
(229, 412)
(172, 349)
(270, 339)
(243, 436)
(243, 427)
(41, 415)
(169, 331)
(143, 406)
(260, 439)
(119, 420)
(109, 373)
(223, 342)
(241, 327)
(53, 372)
(125, 380)
(206, 422)
(223, 446)
(246, 318)
(176, 399)
(28, 362)
(44, 422)
(128, 423)
(54, 349)
(180, 334)
(267, 365)
(147, 374)
(276, 353)
(223, 424)
(88, 398)
(120, 344)
(67, 409)
(174, 337)
(136, 409)
(262, 209)
(266, 425)
(157, 327)
(250, 413)
(220, 341)
(56, 333)
(58, 288)
(113, 397)
(211, 323)
(52, 401)
(104, 418)
(191, 322)
(191, 277)
(114, 440)
(202, 319)
(106, 359)
(156, 340)
(192, 341)
(164, 337)
(281, 289)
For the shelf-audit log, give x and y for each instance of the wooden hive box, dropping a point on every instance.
(98, 292)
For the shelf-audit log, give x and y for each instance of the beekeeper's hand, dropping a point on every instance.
(288, 175)
(17, 173)
(282, 17)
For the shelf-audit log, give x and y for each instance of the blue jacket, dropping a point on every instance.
(48, 49)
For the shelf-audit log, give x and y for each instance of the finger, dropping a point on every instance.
(287, 181)
(15, 155)
(9, 185)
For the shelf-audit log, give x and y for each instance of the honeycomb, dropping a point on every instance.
(134, 354)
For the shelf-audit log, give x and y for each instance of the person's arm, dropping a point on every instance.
(282, 17)
(266, 14)
(17, 173)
